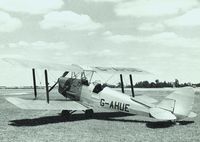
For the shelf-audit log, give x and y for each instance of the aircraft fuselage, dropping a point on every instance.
(112, 100)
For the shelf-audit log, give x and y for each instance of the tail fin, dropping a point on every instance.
(179, 103)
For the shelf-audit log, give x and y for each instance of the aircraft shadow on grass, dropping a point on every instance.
(107, 116)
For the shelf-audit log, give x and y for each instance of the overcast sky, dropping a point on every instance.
(160, 36)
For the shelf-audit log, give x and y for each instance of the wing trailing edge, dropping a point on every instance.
(119, 70)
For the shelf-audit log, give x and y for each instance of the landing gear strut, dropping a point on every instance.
(89, 113)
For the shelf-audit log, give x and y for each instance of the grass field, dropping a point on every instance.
(18, 125)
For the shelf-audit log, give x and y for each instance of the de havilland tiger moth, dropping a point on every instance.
(84, 95)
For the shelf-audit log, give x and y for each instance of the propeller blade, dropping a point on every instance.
(64, 74)
(53, 86)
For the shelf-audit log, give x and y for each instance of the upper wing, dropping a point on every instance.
(73, 67)
(42, 105)
(119, 70)
(42, 65)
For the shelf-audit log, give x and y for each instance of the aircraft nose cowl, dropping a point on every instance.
(161, 114)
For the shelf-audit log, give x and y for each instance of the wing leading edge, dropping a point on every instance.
(42, 65)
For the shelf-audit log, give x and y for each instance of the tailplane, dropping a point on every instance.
(179, 103)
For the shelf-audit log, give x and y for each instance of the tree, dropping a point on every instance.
(176, 83)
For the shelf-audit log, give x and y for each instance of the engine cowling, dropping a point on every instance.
(70, 87)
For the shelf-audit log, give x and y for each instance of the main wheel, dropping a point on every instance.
(89, 113)
(65, 113)
(174, 122)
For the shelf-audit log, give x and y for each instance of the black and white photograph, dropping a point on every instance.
(99, 70)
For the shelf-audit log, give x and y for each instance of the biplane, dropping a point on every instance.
(84, 95)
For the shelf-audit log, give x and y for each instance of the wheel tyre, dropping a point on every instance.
(89, 113)
(173, 122)
(65, 113)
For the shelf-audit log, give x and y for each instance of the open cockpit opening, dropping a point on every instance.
(98, 88)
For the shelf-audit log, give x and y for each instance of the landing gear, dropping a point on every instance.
(89, 113)
(66, 113)
(174, 122)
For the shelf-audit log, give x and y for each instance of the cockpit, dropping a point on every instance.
(98, 88)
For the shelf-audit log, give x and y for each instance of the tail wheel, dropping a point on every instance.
(89, 113)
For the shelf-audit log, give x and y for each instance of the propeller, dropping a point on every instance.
(64, 74)
(53, 86)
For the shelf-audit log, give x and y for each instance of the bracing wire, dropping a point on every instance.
(125, 81)
(110, 78)
(52, 77)
(39, 77)
(115, 81)
(100, 77)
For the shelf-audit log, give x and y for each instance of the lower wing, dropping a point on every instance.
(42, 105)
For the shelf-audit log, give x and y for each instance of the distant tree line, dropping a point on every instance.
(160, 84)
(156, 84)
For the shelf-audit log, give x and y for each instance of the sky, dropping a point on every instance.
(162, 37)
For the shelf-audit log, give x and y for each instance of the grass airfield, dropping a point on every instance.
(25, 125)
